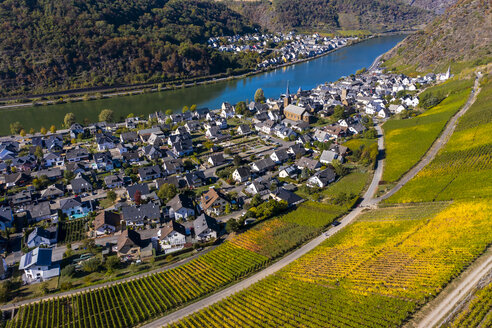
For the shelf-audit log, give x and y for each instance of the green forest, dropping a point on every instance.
(51, 45)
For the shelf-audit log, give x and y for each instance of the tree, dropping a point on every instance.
(228, 208)
(167, 191)
(68, 271)
(131, 115)
(193, 108)
(5, 290)
(32, 131)
(185, 109)
(43, 130)
(15, 128)
(241, 108)
(237, 160)
(106, 115)
(111, 195)
(23, 133)
(339, 113)
(91, 265)
(340, 170)
(259, 96)
(52, 129)
(169, 112)
(69, 120)
(231, 226)
(90, 245)
(43, 288)
(208, 144)
(111, 264)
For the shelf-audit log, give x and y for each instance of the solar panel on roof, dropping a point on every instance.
(28, 259)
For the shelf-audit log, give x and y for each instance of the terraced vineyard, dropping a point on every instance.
(477, 312)
(374, 273)
(130, 303)
(463, 168)
(406, 141)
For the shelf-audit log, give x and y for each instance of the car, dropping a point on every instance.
(335, 223)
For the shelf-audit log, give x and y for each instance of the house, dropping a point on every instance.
(145, 133)
(384, 113)
(172, 237)
(172, 166)
(107, 222)
(113, 181)
(151, 152)
(396, 109)
(42, 237)
(23, 197)
(213, 202)
(53, 159)
(137, 215)
(289, 171)
(131, 247)
(128, 137)
(37, 264)
(76, 168)
(6, 217)
(80, 184)
(131, 157)
(258, 186)
(181, 207)
(194, 179)
(296, 150)
(213, 133)
(52, 192)
(104, 142)
(52, 174)
(216, 160)
(279, 156)
(103, 161)
(142, 188)
(280, 194)
(244, 129)
(77, 155)
(308, 163)
(205, 228)
(74, 208)
(148, 173)
(263, 165)
(75, 130)
(357, 128)
(241, 174)
(18, 179)
(322, 178)
(328, 156)
(40, 211)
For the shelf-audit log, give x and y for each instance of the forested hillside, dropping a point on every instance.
(60, 44)
(460, 37)
(373, 15)
(437, 6)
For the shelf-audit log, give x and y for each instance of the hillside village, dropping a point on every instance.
(164, 183)
(286, 47)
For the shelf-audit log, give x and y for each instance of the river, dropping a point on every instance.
(306, 75)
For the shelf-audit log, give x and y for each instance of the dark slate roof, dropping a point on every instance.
(142, 187)
(146, 171)
(180, 201)
(49, 233)
(204, 222)
(38, 256)
(68, 203)
(290, 197)
(144, 211)
(39, 210)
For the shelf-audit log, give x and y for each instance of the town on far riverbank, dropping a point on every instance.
(330, 67)
(111, 198)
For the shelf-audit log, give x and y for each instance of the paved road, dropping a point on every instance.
(446, 305)
(441, 141)
(11, 306)
(346, 220)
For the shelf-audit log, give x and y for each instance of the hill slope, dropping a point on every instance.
(437, 6)
(462, 34)
(61, 44)
(374, 15)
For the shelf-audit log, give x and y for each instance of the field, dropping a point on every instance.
(463, 167)
(406, 141)
(71, 231)
(374, 273)
(277, 236)
(477, 312)
(130, 303)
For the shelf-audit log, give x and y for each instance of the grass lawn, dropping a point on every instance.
(354, 144)
(463, 167)
(351, 183)
(406, 141)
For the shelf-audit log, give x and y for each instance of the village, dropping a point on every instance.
(170, 183)
(281, 47)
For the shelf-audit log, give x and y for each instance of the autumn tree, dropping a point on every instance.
(69, 119)
(106, 115)
(259, 96)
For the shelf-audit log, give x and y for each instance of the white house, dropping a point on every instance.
(241, 174)
(290, 171)
(181, 207)
(42, 237)
(205, 228)
(37, 264)
(172, 237)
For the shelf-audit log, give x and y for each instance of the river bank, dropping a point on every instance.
(304, 74)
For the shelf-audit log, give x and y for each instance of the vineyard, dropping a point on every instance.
(463, 167)
(406, 141)
(277, 236)
(133, 302)
(71, 231)
(374, 273)
(478, 311)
